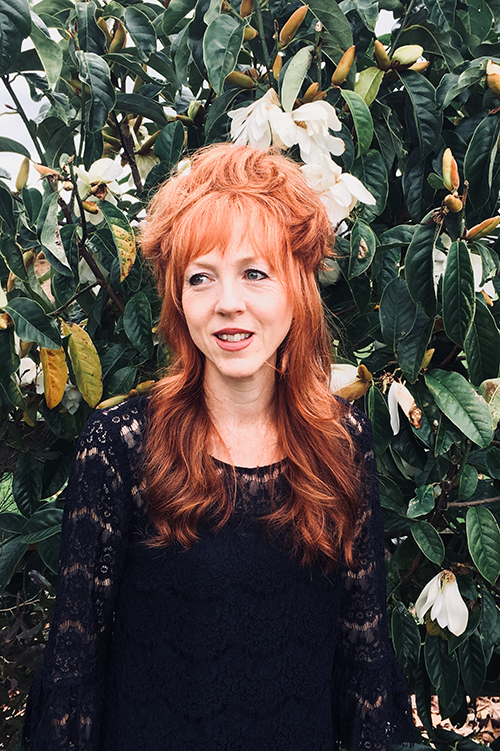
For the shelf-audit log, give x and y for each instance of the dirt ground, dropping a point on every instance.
(483, 724)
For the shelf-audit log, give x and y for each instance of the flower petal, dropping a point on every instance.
(357, 189)
(456, 610)
(392, 399)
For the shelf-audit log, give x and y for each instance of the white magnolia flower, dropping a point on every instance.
(477, 268)
(350, 382)
(339, 191)
(71, 398)
(27, 371)
(439, 265)
(263, 123)
(184, 166)
(399, 395)
(99, 183)
(442, 597)
(343, 375)
(3, 298)
(314, 121)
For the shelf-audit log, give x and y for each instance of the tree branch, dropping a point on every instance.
(22, 114)
(128, 148)
(482, 502)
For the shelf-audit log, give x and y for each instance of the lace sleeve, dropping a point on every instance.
(65, 700)
(372, 707)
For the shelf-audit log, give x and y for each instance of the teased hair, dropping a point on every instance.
(191, 215)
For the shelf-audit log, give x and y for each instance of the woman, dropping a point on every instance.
(222, 579)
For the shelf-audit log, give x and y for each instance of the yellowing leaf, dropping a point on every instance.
(55, 374)
(85, 362)
(125, 243)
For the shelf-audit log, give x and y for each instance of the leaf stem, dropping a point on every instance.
(128, 148)
(24, 118)
(262, 37)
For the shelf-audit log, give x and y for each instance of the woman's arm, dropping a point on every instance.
(371, 705)
(66, 696)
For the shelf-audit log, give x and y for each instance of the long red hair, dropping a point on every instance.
(189, 216)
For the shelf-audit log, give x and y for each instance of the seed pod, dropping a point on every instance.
(291, 27)
(11, 282)
(277, 66)
(90, 206)
(22, 177)
(427, 358)
(380, 56)
(319, 96)
(420, 67)
(249, 33)
(147, 145)
(310, 93)
(344, 66)
(104, 28)
(47, 171)
(119, 38)
(483, 229)
(112, 401)
(246, 8)
(145, 386)
(493, 78)
(406, 55)
(453, 203)
(5, 321)
(29, 257)
(237, 78)
(451, 178)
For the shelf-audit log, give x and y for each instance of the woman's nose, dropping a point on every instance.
(230, 298)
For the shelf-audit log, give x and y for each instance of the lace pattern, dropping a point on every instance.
(231, 645)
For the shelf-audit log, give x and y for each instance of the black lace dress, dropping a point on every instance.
(230, 646)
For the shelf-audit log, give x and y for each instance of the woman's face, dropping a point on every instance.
(237, 311)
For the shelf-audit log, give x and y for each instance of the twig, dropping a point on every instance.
(482, 502)
(75, 296)
(22, 114)
(128, 148)
(262, 37)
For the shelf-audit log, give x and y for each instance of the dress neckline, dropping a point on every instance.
(259, 470)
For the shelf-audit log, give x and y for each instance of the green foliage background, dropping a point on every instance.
(439, 482)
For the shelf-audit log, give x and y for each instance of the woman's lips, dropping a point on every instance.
(233, 346)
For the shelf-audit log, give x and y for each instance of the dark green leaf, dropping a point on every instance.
(480, 159)
(419, 267)
(170, 143)
(459, 301)
(423, 502)
(483, 538)
(362, 118)
(141, 30)
(441, 13)
(447, 434)
(43, 524)
(8, 355)
(131, 63)
(391, 496)
(121, 381)
(7, 144)
(11, 523)
(429, 541)
(137, 323)
(138, 104)
(368, 12)
(27, 483)
(363, 245)
(48, 550)
(489, 619)
(411, 349)
(15, 25)
(468, 482)
(90, 36)
(10, 554)
(476, 17)
(397, 312)
(32, 199)
(428, 120)
(379, 416)
(482, 345)
(32, 324)
(462, 405)
(12, 255)
(452, 84)
(7, 206)
(405, 638)
(472, 665)
(94, 71)
(371, 170)
(49, 232)
(293, 77)
(434, 42)
(176, 11)
(442, 668)
(217, 121)
(336, 34)
(423, 695)
(221, 45)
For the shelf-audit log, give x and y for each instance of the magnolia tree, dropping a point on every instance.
(399, 136)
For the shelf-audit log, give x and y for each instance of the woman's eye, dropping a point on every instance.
(255, 275)
(197, 279)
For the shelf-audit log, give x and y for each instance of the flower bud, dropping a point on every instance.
(90, 206)
(145, 386)
(427, 358)
(237, 78)
(291, 27)
(453, 203)
(246, 8)
(406, 55)
(344, 66)
(47, 171)
(380, 56)
(112, 401)
(451, 178)
(277, 66)
(310, 93)
(483, 229)
(5, 321)
(119, 38)
(319, 96)
(104, 28)
(420, 67)
(22, 177)
(249, 33)
(349, 382)
(493, 78)
(399, 394)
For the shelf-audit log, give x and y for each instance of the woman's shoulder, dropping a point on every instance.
(121, 426)
(356, 421)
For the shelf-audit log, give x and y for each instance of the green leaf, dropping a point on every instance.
(477, 18)
(411, 349)
(94, 71)
(212, 12)
(137, 322)
(131, 63)
(367, 11)
(397, 312)
(216, 123)
(405, 638)
(170, 143)
(368, 84)
(7, 144)
(490, 391)
(32, 199)
(294, 77)
(90, 36)
(27, 483)
(42, 524)
(49, 232)
(482, 345)
(428, 119)
(11, 254)
(434, 42)
(10, 554)
(7, 206)
(468, 482)
(362, 118)
(221, 45)
(423, 502)
(50, 54)
(32, 324)
(363, 245)
(176, 11)
(48, 550)
(441, 13)
(419, 267)
(12, 523)
(462, 405)
(380, 419)
(336, 34)
(459, 300)
(480, 159)
(483, 539)
(138, 104)
(472, 665)
(8, 355)
(429, 541)
(141, 30)
(370, 169)
(442, 668)
(452, 84)
(15, 25)
(489, 619)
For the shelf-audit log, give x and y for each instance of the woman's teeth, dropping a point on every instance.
(233, 337)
